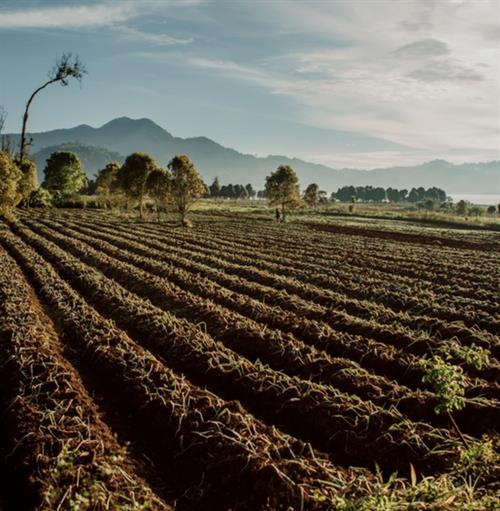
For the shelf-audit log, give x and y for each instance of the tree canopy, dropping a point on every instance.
(282, 188)
(9, 179)
(28, 182)
(106, 182)
(159, 187)
(66, 67)
(133, 177)
(64, 174)
(311, 195)
(187, 185)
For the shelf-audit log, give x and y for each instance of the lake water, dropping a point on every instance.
(482, 199)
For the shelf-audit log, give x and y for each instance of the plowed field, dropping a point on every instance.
(243, 365)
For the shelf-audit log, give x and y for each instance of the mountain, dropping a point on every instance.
(120, 137)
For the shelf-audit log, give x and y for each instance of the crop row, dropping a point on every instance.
(452, 265)
(333, 421)
(378, 356)
(211, 440)
(450, 287)
(295, 261)
(61, 454)
(331, 302)
(360, 285)
(289, 355)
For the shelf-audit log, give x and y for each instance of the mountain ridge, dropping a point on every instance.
(122, 136)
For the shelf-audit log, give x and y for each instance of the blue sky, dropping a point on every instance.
(270, 77)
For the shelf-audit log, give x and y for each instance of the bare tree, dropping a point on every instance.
(5, 144)
(3, 117)
(65, 68)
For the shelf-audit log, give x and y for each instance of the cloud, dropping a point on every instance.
(68, 17)
(151, 37)
(92, 15)
(385, 82)
(446, 70)
(424, 48)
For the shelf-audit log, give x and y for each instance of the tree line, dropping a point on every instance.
(379, 194)
(230, 191)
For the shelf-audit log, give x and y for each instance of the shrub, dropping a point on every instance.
(448, 382)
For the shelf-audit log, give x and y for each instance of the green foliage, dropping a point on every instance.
(311, 195)
(491, 210)
(187, 185)
(28, 182)
(462, 207)
(215, 188)
(448, 382)
(159, 188)
(107, 185)
(282, 188)
(473, 355)
(10, 175)
(133, 177)
(479, 460)
(41, 198)
(64, 175)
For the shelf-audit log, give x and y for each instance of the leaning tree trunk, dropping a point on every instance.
(24, 144)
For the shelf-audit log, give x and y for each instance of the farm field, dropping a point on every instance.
(245, 365)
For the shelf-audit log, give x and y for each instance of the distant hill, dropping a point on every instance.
(122, 136)
(93, 158)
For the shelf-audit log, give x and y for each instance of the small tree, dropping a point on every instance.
(311, 195)
(159, 187)
(9, 178)
(106, 183)
(448, 382)
(491, 210)
(133, 177)
(41, 198)
(352, 204)
(64, 175)
(282, 189)
(215, 188)
(65, 68)
(28, 182)
(3, 118)
(187, 185)
(250, 191)
(462, 207)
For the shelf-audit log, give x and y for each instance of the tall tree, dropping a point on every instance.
(9, 178)
(65, 68)
(133, 177)
(159, 187)
(215, 188)
(107, 182)
(414, 195)
(187, 185)
(282, 189)
(64, 175)
(311, 195)
(250, 191)
(462, 207)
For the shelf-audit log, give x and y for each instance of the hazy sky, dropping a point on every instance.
(270, 76)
